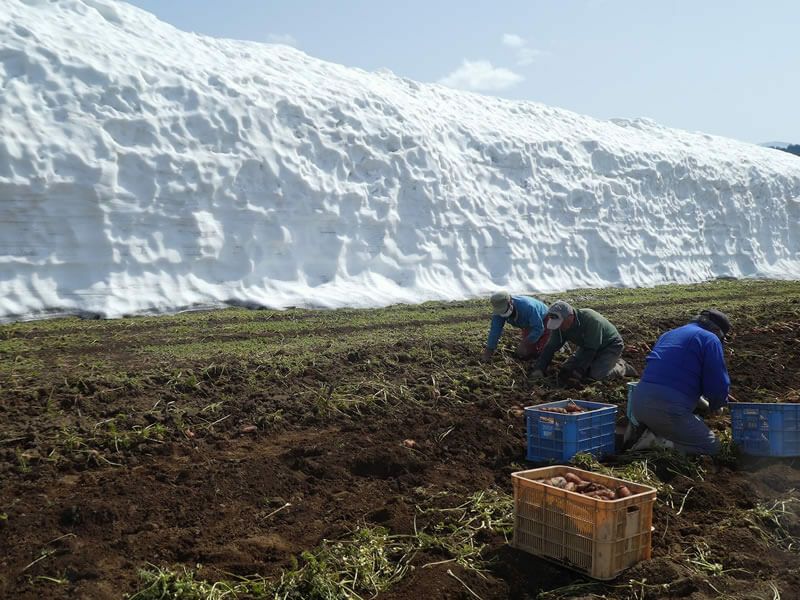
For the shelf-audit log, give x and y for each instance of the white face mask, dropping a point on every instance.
(554, 323)
(508, 312)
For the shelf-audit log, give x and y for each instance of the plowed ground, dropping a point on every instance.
(227, 444)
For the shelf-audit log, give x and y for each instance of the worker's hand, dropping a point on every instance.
(486, 355)
(568, 375)
(523, 353)
(536, 375)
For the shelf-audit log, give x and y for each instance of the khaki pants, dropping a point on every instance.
(607, 364)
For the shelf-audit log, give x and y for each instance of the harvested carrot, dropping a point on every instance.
(573, 408)
(573, 483)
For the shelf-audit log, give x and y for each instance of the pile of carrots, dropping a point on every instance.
(570, 408)
(572, 483)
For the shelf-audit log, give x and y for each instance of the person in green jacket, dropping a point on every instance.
(599, 344)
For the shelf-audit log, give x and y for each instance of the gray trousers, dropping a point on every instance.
(606, 364)
(663, 410)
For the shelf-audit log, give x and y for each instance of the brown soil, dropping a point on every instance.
(216, 498)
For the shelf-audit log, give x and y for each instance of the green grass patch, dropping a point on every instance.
(362, 565)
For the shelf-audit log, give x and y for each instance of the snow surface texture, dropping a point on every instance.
(147, 169)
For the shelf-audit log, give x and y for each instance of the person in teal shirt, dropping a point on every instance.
(600, 345)
(529, 314)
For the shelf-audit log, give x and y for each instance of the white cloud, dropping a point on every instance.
(513, 41)
(282, 38)
(481, 76)
(525, 54)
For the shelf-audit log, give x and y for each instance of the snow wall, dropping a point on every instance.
(147, 169)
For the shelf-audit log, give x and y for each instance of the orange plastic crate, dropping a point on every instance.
(600, 538)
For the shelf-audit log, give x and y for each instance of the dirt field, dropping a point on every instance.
(266, 452)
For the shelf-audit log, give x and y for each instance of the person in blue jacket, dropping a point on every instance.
(686, 365)
(524, 312)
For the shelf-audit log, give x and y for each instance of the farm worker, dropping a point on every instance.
(599, 344)
(686, 365)
(520, 311)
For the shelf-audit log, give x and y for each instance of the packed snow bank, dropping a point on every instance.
(146, 169)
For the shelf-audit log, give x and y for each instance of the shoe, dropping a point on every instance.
(665, 443)
(632, 434)
(645, 441)
(630, 370)
(651, 441)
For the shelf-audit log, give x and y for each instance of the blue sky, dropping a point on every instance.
(728, 68)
